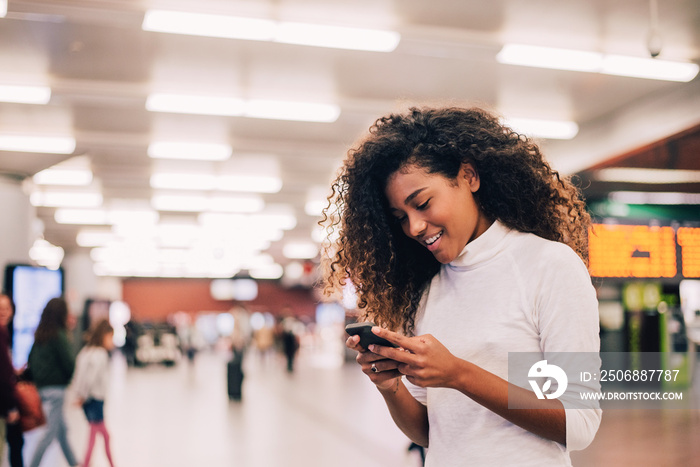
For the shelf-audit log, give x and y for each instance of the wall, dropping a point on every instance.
(153, 299)
(15, 229)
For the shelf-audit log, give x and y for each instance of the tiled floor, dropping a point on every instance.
(320, 416)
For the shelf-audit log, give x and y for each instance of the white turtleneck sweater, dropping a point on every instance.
(91, 377)
(508, 291)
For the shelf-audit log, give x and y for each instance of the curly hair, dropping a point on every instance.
(389, 270)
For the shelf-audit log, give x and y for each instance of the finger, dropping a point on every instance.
(384, 365)
(353, 343)
(391, 353)
(393, 337)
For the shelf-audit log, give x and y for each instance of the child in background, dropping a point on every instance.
(91, 382)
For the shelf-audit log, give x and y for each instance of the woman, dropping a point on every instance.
(91, 382)
(15, 437)
(51, 363)
(9, 414)
(455, 232)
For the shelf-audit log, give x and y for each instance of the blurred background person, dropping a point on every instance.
(91, 382)
(51, 364)
(234, 369)
(191, 340)
(15, 437)
(9, 415)
(129, 347)
(290, 342)
(264, 339)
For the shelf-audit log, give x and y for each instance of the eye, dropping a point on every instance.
(423, 206)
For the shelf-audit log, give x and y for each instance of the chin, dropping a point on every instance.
(444, 258)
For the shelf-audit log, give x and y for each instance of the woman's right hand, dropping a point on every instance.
(384, 377)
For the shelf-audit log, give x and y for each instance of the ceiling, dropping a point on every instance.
(101, 66)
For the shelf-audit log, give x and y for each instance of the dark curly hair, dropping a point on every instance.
(391, 271)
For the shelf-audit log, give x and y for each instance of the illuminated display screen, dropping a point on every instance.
(632, 251)
(689, 240)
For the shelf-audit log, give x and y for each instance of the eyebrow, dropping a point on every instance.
(410, 197)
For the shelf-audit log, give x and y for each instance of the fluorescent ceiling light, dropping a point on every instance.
(199, 24)
(94, 238)
(249, 183)
(550, 129)
(316, 200)
(180, 181)
(233, 27)
(66, 199)
(300, 250)
(188, 104)
(177, 234)
(318, 35)
(315, 207)
(648, 68)
(192, 151)
(172, 255)
(645, 197)
(578, 60)
(548, 57)
(184, 203)
(201, 203)
(192, 181)
(81, 216)
(234, 107)
(269, 271)
(139, 217)
(650, 176)
(42, 144)
(294, 271)
(25, 94)
(246, 226)
(3, 8)
(67, 177)
(295, 111)
(279, 216)
(235, 204)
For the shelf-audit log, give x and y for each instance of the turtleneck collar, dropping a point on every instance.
(483, 248)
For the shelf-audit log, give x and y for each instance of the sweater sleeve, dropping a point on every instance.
(566, 311)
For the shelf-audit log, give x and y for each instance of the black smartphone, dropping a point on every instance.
(367, 337)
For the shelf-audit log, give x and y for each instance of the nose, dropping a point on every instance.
(415, 226)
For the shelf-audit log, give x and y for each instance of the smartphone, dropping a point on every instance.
(367, 337)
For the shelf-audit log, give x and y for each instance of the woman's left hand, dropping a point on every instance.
(424, 360)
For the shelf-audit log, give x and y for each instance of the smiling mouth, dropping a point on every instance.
(433, 239)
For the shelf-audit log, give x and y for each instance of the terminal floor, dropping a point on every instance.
(319, 416)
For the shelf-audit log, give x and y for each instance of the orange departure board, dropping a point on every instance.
(632, 251)
(689, 240)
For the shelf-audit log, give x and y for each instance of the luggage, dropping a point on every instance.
(234, 377)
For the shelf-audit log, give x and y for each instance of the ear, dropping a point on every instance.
(469, 174)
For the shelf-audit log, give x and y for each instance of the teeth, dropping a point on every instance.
(432, 240)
